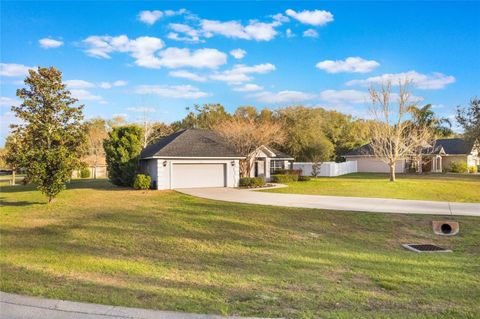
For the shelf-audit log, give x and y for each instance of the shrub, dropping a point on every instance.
(284, 178)
(142, 181)
(122, 152)
(252, 182)
(303, 178)
(297, 172)
(473, 169)
(84, 173)
(458, 167)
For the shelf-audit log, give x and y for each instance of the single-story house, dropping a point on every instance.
(435, 158)
(194, 158)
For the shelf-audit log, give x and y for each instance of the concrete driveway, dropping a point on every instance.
(14, 306)
(358, 204)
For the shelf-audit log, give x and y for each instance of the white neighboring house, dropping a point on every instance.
(194, 158)
(435, 159)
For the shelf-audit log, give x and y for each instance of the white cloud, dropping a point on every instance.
(240, 73)
(314, 17)
(289, 33)
(351, 64)
(7, 101)
(79, 84)
(191, 35)
(109, 85)
(201, 58)
(146, 52)
(82, 94)
(8, 118)
(283, 97)
(172, 91)
(150, 17)
(310, 33)
(238, 53)
(342, 97)
(249, 87)
(280, 18)
(13, 69)
(48, 43)
(187, 75)
(255, 30)
(141, 109)
(432, 81)
(142, 49)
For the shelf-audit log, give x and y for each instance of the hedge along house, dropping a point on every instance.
(194, 158)
(191, 158)
(435, 158)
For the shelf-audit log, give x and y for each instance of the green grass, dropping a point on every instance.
(164, 250)
(436, 187)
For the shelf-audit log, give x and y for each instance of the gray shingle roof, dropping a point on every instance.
(280, 154)
(449, 145)
(362, 150)
(190, 143)
(454, 145)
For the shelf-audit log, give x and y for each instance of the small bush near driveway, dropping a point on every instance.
(252, 182)
(142, 181)
(284, 178)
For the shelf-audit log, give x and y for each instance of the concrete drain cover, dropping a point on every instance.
(426, 248)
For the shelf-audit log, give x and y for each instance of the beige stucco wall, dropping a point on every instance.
(369, 164)
(446, 160)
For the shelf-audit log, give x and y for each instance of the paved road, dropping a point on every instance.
(14, 306)
(358, 204)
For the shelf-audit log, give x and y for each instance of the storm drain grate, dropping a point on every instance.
(426, 248)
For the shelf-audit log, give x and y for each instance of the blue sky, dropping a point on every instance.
(156, 58)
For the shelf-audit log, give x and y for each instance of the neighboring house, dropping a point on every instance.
(194, 158)
(97, 165)
(435, 158)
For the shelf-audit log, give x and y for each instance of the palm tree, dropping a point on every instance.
(425, 117)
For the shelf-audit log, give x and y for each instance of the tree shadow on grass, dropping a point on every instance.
(98, 184)
(21, 203)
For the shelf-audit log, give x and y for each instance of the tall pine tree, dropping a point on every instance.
(52, 132)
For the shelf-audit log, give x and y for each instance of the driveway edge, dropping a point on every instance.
(26, 307)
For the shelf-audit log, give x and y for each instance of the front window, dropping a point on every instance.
(275, 166)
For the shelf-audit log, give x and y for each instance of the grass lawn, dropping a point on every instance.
(164, 250)
(436, 187)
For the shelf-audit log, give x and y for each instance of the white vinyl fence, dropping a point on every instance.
(328, 169)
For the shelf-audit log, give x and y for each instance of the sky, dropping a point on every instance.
(154, 59)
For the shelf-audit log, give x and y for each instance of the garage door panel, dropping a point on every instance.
(198, 175)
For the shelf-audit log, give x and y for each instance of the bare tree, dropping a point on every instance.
(247, 135)
(96, 133)
(394, 137)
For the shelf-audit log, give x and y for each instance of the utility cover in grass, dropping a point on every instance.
(426, 248)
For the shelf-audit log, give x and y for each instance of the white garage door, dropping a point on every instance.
(198, 175)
